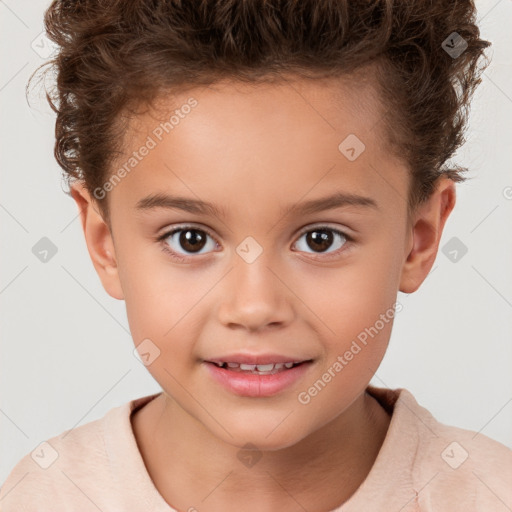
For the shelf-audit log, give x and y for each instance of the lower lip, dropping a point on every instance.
(252, 385)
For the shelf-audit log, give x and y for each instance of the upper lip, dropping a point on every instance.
(267, 358)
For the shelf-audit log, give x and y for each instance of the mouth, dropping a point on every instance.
(258, 375)
(258, 369)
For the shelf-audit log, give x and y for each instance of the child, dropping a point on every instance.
(303, 145)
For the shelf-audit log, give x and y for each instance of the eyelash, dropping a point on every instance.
(180, 258)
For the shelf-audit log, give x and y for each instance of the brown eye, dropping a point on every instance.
(187, 240)
(191, 240)
(321, 239)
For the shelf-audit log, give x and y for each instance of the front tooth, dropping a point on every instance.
(233, 365)
(288, 365)
(279, 366)
(265, 367)
(247, 366)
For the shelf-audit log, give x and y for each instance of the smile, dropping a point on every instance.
(257, 380)
(260, 369)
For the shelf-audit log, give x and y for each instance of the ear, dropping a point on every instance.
(99, 241)
(427, 227)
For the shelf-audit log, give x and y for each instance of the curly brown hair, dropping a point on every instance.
(116, 53)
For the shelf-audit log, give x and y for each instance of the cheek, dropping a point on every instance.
(359, 314)
(166, 304)
(349, 298)
(356, 305)
(160, 307)
(157, 294)
(159, 303)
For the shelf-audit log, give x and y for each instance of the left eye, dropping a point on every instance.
(322, 238)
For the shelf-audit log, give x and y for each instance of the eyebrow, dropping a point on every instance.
(338, 200)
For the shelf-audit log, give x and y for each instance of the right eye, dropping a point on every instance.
(187, 238)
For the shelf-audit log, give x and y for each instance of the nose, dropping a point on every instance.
(255, 296)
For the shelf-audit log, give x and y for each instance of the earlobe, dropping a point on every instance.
(427, 227)
(99, 241)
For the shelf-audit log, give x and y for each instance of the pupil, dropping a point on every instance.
(321, 237)
(191, 240)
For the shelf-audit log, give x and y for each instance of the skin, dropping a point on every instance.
(254, 150)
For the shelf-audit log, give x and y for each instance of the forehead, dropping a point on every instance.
(258, 142)
(335, 105)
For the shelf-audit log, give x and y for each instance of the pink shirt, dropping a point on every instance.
(423, 465)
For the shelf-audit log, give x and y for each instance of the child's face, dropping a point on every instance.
(262, 281)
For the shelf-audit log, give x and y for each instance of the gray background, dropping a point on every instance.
(67, 354)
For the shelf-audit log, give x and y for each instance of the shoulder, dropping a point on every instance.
(456, 468)
(59, 472)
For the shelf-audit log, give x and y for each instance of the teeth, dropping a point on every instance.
(265, 367)
(247, 367)
(256, 367)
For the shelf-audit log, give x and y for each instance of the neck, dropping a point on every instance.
(320, 472)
